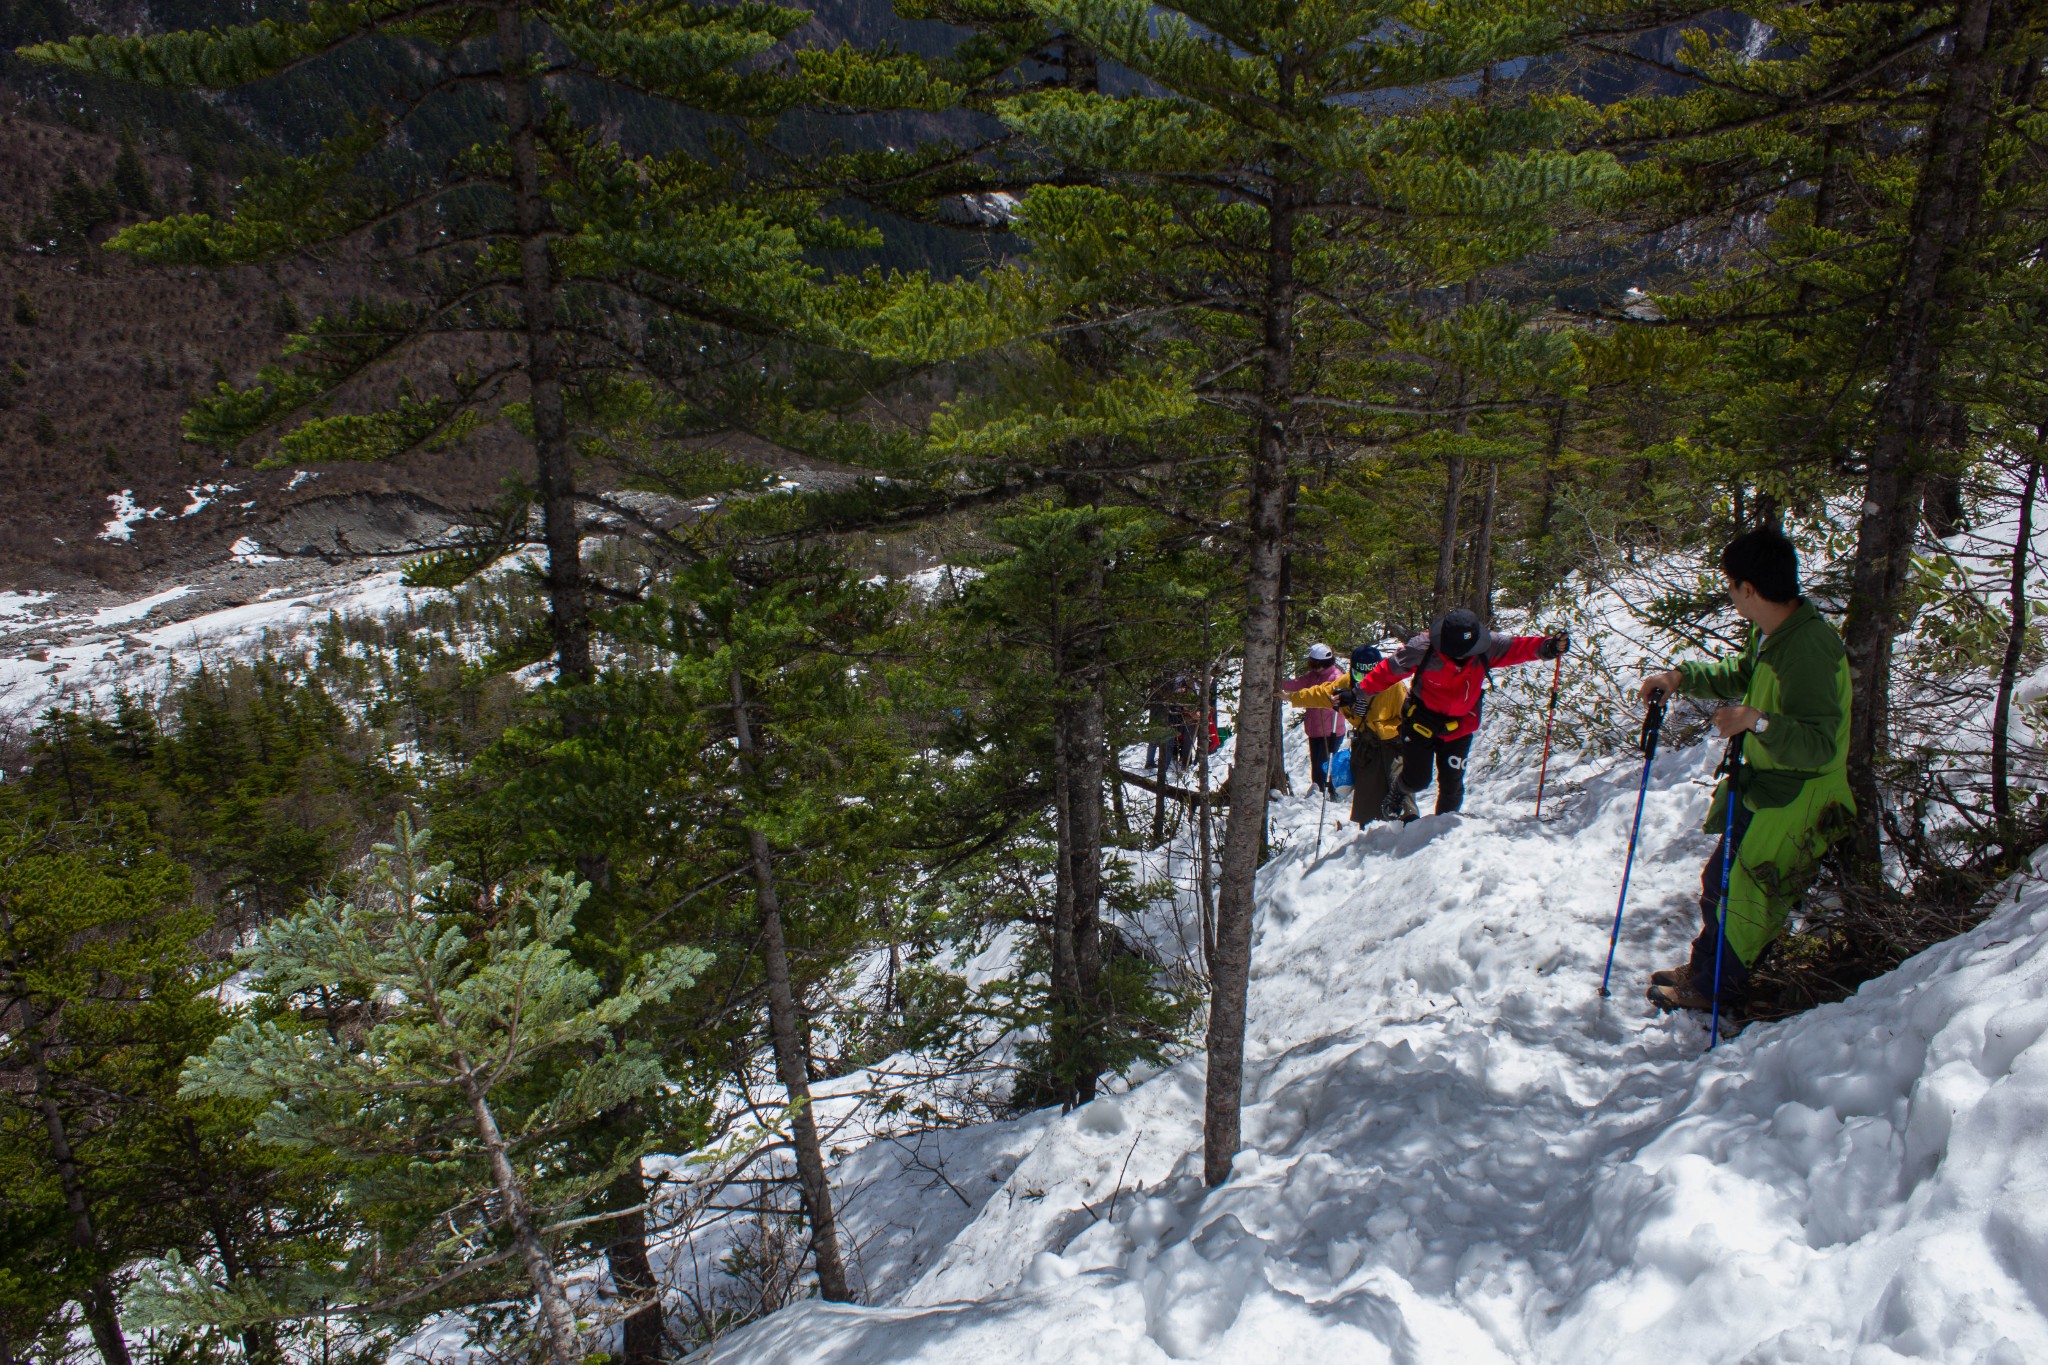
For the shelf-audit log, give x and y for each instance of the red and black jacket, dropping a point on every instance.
(1444, 699)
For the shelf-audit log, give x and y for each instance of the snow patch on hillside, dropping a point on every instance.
(56, 663)
(127, 512)
(137, 610)
(1457, 1152)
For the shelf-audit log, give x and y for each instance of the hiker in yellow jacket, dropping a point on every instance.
(1375, 730)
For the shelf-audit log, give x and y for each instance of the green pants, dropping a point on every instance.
(1778, 856)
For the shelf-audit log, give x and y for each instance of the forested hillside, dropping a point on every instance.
(655, 651)
(100, 356)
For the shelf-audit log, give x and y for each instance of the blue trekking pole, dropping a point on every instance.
(1653, 723)
(1734, 764)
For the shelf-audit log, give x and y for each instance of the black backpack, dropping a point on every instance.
(1417, 719)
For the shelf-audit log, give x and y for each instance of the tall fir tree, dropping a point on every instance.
(1281, 236)
(546, 281)
(98, 981)
(1889, 142)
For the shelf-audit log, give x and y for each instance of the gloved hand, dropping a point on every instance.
(1554, 645)
(1346, 698)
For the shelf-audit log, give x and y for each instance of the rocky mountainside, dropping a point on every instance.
(100, 356)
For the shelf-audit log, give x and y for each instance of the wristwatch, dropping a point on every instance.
(1760, 724)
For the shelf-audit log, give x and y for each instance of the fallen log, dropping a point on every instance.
(1186, 797)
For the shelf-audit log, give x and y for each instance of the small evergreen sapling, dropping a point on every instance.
(447, 1071)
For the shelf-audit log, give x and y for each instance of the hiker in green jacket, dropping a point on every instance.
(1791, 730)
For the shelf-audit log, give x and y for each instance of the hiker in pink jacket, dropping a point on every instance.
(1325, 728)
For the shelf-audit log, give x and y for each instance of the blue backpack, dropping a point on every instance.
(1340, 768)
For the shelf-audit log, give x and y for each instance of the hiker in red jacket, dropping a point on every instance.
(1450, 663)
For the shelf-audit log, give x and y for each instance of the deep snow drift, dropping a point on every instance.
(1457, 1153)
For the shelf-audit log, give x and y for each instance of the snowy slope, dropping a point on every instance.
(50, 659)
(1456, 1153)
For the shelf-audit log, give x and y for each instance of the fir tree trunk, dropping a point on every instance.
(568, 599)
(259, 1340)
(1079, 739)
(1245, 832)
(1066, 1022)
(1553, 456)
(1903, 423)
(1482, 547)
(1065, 973)
(1205, 840)
(1941, 503)
(791, 1064)
(644, 1334)
(101, 1304)
(1088, 762)
(1447, 537)
(565, 1343)
(1276, 776)
(2009, 671)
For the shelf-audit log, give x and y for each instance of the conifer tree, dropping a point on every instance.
(541, 265)
(1060, 639)
(444, 1062)
(95, 966)
(1276, 232)
(791, 650)
(130, 180)
(742, 776)
(1891, 142)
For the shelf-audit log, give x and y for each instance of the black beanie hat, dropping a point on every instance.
(1365, 657)
(1458, 635)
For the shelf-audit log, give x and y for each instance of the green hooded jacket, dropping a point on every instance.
(1795, 776)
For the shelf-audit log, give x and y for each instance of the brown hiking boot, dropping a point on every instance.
(1680, 997)
(1681, 975)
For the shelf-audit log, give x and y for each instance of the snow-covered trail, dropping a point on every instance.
(1457, 1153)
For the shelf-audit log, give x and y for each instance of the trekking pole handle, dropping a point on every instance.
(1653, 722)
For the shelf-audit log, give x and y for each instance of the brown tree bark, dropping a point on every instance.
(1088, 759)
(644, 1333)
(1445, 590)
(785, 1038)
(1276, 775)
(1553, 457)
(1205, 824)
(101, 1304)
(1245, 832)
(558, 1319)
(259, 1340)
(554, 458)
(1903, 423)
(1080, 765)
(1066, 971)
(2009, 671)
(1482, 547)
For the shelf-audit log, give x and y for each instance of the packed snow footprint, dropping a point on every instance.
(1457, 1152)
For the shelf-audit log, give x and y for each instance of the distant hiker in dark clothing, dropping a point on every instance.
(1162, 722)
(1449, 664)
(1172, 713)
(1324, 727)
(1375, 728)
(1792, 682)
